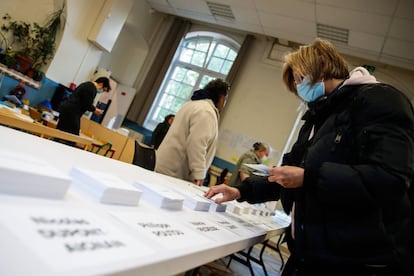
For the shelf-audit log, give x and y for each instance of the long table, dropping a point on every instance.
(12, 119)
(166, 243)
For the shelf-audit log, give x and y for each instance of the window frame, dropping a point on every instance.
(214, 39)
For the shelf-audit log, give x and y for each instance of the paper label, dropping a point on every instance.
(69, 238)
(166, 231)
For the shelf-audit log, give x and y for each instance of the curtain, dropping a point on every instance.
(241, 56)
(142, 102)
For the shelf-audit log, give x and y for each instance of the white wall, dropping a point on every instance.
(126, 57)
(19, 12)
(76, 58)
(131, 48)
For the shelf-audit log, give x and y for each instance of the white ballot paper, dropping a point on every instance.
(23, 174)
(214, 207)
(194, 201)
(105, 187)
(160, 196)
(234, 207)
(261, 169)
(68, 238)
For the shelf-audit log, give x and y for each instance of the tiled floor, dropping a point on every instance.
(219, 267)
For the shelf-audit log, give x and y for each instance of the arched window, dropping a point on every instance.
(201, 57)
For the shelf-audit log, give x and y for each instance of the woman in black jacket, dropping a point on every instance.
(346, 180)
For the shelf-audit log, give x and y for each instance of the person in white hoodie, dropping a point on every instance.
(188, 149)
(347, 181)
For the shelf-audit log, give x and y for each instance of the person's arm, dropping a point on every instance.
(255, 189)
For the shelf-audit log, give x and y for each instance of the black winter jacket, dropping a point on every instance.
(353, 208)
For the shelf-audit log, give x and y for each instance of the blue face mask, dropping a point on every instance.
(310, 93)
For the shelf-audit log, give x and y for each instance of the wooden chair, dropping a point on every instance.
(105, 149)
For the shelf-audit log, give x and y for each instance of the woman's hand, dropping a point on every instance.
(229, 193)
(287, 176)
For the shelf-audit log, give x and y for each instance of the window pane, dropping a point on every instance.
(168, 102)
(232, 55)
(178, 73)
(186, 55)
(215, 64)
(186, 91)
(191, 44)
(173, 87)
(177, 105)
(203, 46)
(221, 51)
(191, 77)
(198, 59)
(162, 113)
(226, 67)
(206, 79)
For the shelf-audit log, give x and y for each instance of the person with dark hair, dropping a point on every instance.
(81, 100)
(188, 149)
(161, 130)
(16, 94)
(256, 155)
(346, 181)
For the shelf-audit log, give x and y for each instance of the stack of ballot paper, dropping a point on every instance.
(214, 207)
(160, 196)
(194, 200)
(217, 207)
(234, 207)
(104, 187)
(27, 175)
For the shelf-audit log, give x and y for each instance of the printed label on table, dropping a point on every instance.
(166, 231)
(207, 227)
(69, 238)
(230, 224)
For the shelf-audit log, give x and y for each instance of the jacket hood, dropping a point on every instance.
(359, 75)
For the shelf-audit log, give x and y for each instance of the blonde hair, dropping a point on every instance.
(319, 60)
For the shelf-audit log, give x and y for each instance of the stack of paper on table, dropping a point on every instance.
(27, 175)
(105, 187)
(234, 207)
(160, 196)
(215, 207)
(194, 200)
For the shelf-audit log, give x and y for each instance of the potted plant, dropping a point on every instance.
(32, 44)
